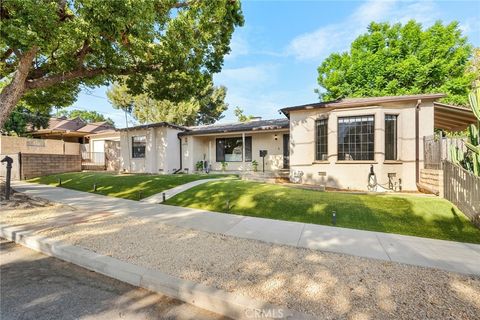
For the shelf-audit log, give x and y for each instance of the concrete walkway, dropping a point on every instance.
(441, 254)
(158, 198)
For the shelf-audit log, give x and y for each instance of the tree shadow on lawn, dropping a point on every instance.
(127, 186)
(408, 215)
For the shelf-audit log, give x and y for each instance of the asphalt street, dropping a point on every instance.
(35, 286)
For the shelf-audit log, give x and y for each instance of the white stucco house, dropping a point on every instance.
(335, 144)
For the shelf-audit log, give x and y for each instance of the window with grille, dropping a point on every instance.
(321, 139)
(356, 138)
(138, 146)
(391, 137)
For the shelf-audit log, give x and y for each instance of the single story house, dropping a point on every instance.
(336, 144)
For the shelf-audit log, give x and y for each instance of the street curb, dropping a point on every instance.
(215, 300)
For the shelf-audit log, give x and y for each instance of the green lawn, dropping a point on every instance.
(410, 215)
(127, 186)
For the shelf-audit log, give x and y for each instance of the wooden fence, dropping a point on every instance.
(437, 148)
(463, 189)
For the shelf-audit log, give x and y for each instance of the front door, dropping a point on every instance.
(286, 151)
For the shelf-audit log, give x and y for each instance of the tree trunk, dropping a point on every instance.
(14, 91)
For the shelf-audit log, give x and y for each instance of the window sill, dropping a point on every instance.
(393, 162)
(320, 162)
(356, 162)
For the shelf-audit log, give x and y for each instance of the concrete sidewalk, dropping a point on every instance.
(445, 255)
(158, 198)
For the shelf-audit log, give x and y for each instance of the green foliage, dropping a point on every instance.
(470, 159)
(403, 214)
(88, 116)
(179, 44)
(199, 165)
(205, 108)
(400, 59)
(23, 119)
(224, 165)
(255, 165)
(241, 117)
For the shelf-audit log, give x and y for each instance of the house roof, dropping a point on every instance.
(155, 125)
(452, 118)
(253, 125)
(359, 102)
(73, 127)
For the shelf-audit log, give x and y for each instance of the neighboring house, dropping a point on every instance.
(334, 144)
(71, 130)
(102, 152)
(152, 148)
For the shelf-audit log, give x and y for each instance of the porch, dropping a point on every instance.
(264, 153)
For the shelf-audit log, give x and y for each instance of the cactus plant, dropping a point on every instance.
(471, 159)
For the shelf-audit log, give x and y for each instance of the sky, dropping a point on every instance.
(274, 57)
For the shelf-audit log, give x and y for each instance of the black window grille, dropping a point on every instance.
(321, 139)
(356, 138)
(138, 146)
(391, 137)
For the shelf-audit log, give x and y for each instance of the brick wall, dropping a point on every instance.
(35, 165)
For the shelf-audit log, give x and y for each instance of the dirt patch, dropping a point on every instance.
(19, 200)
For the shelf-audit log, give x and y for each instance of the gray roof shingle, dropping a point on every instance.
(254, 125)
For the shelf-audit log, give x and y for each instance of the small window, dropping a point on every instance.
(321, 139)
(356, 137)
(391, 137)
(231, 149)
(138, 146)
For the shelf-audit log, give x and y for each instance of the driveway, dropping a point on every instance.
(34, 286)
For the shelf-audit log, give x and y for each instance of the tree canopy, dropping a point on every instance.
(205, 108)
(240, 114)
(400, 59)
(86, 115)
(23, 119)
(49, 48)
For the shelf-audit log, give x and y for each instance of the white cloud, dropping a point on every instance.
(246, 76)
(471, 29)
(337, 37)
(239, 46)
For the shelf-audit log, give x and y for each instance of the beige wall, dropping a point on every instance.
(354, 174)
(196, 148)
(97, 141)
(10, 145)
(162, 152)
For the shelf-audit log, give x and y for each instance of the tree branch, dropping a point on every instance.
(57, 78)
(80, 73)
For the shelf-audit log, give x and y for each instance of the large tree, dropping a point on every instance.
(400, 59)
(48, 48)
(205, 108)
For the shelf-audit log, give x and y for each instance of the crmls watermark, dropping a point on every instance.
(264, 313)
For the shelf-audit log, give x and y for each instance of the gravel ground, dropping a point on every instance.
(328, 285)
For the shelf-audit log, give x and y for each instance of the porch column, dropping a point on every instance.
(243, 151)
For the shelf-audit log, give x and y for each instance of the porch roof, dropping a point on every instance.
(452, 118)
(253, 125)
